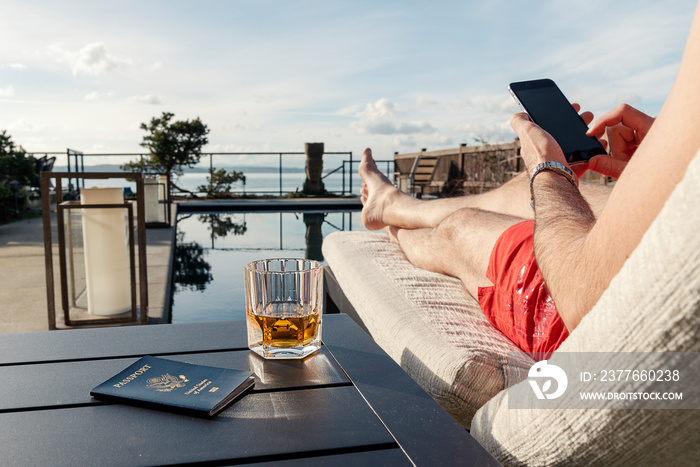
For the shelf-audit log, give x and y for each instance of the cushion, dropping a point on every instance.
(652, 305)
(427, 322)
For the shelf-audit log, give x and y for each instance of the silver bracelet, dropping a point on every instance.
(555, 167)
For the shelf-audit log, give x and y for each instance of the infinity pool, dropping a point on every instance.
(212, 248)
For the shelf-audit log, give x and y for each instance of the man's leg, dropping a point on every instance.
(385, 205)
(459, 246)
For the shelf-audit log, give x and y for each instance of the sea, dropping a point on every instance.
(257, 183)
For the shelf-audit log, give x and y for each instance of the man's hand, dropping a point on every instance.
(538, 146)
(626, 128)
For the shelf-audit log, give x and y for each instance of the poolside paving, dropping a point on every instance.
(23, 304)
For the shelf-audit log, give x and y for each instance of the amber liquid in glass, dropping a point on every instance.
(284, 325)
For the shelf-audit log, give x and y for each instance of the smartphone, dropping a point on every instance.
(550, 109)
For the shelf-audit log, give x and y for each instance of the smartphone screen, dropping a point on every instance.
(550, 109)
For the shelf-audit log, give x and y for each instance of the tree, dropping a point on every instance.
(172, 146)
(190, 270)
(15, 164)
(219, 182)
(221, 225)
(17, 169)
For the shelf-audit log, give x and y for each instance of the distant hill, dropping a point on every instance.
(251, 169)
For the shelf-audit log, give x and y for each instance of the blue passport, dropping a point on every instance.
(187, 388)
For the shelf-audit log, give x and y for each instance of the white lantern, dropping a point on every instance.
(107, 272)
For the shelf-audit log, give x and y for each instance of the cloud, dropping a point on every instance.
(496, 106)
(93, 59)
(246, 127)
(149, 99)
(262, 98)
(630, 98)
(490, 131)
(97, 96)
(15, 66)
(422, 101)
(155, 66)
(437, 140)
(7, 91)
(431, 141)
(406, 141)
(380, 118)
(22, 125)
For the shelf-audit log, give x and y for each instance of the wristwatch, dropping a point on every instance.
(555, 167)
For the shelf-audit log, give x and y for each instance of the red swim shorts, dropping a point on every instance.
(518, 303)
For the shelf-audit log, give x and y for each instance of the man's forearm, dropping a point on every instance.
(563, 220)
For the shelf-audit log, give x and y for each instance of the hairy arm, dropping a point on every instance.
(563, 221)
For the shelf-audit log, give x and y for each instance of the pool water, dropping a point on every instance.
(212, 248)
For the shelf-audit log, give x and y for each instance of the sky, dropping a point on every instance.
(396, 76)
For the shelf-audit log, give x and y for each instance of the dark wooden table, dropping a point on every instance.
(349, 404)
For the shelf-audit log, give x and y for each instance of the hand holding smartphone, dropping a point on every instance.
(550, 109)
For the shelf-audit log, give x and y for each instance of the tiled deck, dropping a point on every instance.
(23, 277)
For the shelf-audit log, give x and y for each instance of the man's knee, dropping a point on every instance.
(458, 223)
(473, 227)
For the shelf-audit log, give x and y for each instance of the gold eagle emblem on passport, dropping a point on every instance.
(166, 382)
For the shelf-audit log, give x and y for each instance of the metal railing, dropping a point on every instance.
(75, 162)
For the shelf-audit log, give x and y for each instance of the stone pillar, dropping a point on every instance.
(314, 235)
(314, 169)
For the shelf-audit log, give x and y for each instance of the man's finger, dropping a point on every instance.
(607, 165)
(518, 120)
(620, 138)
(587, 117)
(625, 114)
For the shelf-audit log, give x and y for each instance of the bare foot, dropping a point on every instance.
(376, 192)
